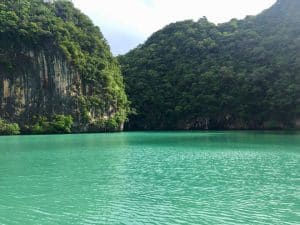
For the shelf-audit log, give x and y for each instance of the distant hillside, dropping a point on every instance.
(55, 68)
(244, 74)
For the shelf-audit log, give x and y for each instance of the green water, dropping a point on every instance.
(151, 178)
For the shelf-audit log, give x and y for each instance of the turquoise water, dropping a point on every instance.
(151, 178)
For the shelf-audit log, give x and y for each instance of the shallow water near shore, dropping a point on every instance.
(151, 178)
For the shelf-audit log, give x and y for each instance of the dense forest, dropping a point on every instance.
(57, 73)
(244, 74)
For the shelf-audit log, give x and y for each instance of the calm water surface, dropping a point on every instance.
(151, 178)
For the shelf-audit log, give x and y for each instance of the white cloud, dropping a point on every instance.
(140, 18)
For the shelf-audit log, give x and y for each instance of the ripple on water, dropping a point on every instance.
(151, 178)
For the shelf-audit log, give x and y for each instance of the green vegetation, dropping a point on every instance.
(60, 29)
(9, 128)
(58, 124)
(244, 74)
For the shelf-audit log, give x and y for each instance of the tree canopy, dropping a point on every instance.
(198, 75)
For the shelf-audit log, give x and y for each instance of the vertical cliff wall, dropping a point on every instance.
(37, 83)
(54, 61)
(42, 82)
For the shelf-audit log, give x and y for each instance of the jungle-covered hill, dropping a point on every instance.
(57, 73)
(244, 74)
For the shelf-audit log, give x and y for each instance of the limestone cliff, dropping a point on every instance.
(41, 83)
(57, 63)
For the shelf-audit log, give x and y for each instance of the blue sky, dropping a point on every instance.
(128, 23)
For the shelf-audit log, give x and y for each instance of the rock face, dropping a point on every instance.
(39, 83)
(44, 83)
(57, 64)
(298, 123)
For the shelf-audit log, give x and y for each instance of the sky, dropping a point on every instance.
(127, 23)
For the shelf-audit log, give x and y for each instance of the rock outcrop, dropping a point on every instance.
(57, 63)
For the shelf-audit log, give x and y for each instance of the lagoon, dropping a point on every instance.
(245, 177)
